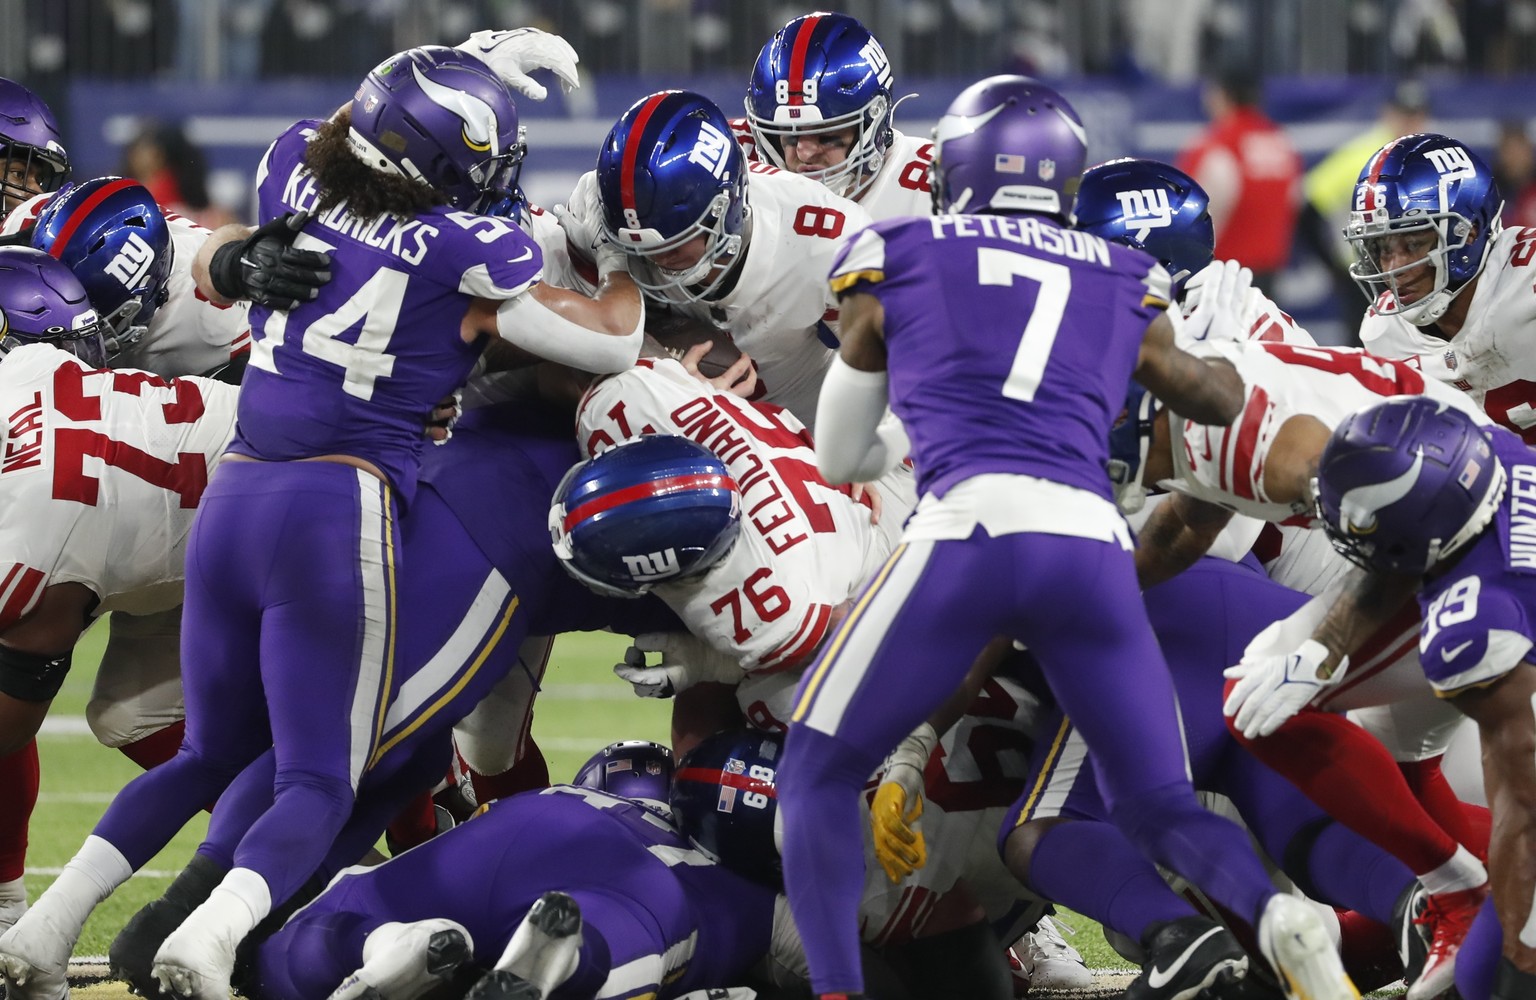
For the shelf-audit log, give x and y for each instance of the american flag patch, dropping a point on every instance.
(1008, 163)
(1469, 474)
(727, 801)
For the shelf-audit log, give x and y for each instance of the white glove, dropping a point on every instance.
(1272, 687)
(717, 993)
(1213, 300)
(516, 53)
(685, 661)
(591, 240)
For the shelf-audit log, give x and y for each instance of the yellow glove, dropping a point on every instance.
(899, 845)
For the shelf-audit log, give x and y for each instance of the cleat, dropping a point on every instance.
(406, 961)
(1408, 920)
(499, 984)
(1186, 956)
(34, 958)
(1052, 963)
(1018, 975)
(1293, 938)
(1444, 921)
(195, 962)
(133, 950)
(543, 953)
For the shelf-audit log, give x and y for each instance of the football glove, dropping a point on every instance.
(1273, 687)
(513, 54)
(899, 843)
(582, 221)
(685, 661)
(1214, 302)
(266, 269)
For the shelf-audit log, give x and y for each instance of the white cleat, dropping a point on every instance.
(195, 962)
(1298, 945)
(545, 949)
(405, 961)
(34, 958)
(1051, 963)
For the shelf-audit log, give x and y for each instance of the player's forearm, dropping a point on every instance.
(850, 444)
(1368, 601)
(232, 233)
(601, 334)
(1170, 542)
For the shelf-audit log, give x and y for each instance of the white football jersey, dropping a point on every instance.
(805, 547)
(189, 334)
(900, 186)
(1225, 465)
(101, 474)
(1493, 356)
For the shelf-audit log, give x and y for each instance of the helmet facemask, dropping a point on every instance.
(697, 281)
(866, 151)
(1453, 234)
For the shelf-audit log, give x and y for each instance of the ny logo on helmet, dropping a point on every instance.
(1452, 162)
(709, 150)
(132, 262)
(652, 565)
(875, 56)
(1145, 210)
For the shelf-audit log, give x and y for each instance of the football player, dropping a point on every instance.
(329, 435)
(820, 104)
(990, 411)
(1416, 489)
(685, 225)
(35, 160)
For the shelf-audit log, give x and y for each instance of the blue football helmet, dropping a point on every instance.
(1150, 206)
(1129, 441)
(1437, 188)
(725, 799)
(1007, 144)
(657, 509)
(32, 145)
(1406, 483)
(41, 301)
(444, 118)
(668, 172)
(631, 769)
(114, 237)
(823, 73)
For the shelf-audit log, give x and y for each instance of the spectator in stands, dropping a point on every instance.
(1253, 176)
(1515, 167)
(1330, 186)
(175, 171)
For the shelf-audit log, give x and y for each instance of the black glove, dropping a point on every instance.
(266, 269)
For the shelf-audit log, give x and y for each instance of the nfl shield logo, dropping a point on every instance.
(369, 103)
(1047, 170)
(1450, 360)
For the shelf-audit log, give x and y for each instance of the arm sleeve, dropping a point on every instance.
(853, 445)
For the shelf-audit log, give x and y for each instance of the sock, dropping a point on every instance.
(235, 906)
(88, 878)
(1468, 823)
(818, 788)
(1347, 772)
(19, 778)
(1343, 868)
(1089, 867)
(156, 748)
(1460, 871)
(1369, 951)
(530, 772)
(416, 824)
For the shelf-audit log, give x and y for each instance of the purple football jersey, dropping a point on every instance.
(358, 370)
(1011, 341)
(1477, 614)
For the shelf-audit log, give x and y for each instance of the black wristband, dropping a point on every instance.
(1512, 984)
(224, 270)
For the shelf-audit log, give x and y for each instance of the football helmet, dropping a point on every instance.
(1129, 441)
(1433, 186)
(669, 172)
(442, 117)
(725, 800)
(1405, 483)
(631, 769)
(1150, 206)
(823, 73)
(41, 301)
(30, 140)
(1007, 144)
(657, 509)
(114, 237)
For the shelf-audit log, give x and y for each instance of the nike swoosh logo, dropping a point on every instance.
(1158, 978)
(1450, 654)
(527, 252)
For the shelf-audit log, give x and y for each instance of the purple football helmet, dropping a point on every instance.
(823, 73)
(1406, 483)
(33, 147)
(631, 769)
(670, 171)
(656, 509)
(1007, 144)
(41, 301)
(1422, 192)
(725, 799)
(444, 118)
(1150, 206)
(114, 237)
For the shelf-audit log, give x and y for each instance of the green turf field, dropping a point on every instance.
(582, 708)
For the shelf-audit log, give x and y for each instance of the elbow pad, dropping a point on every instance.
(538, 329)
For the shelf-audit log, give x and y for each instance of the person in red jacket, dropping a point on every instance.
(1252, 173)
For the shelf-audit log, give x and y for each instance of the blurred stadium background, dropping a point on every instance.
(227, 75)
